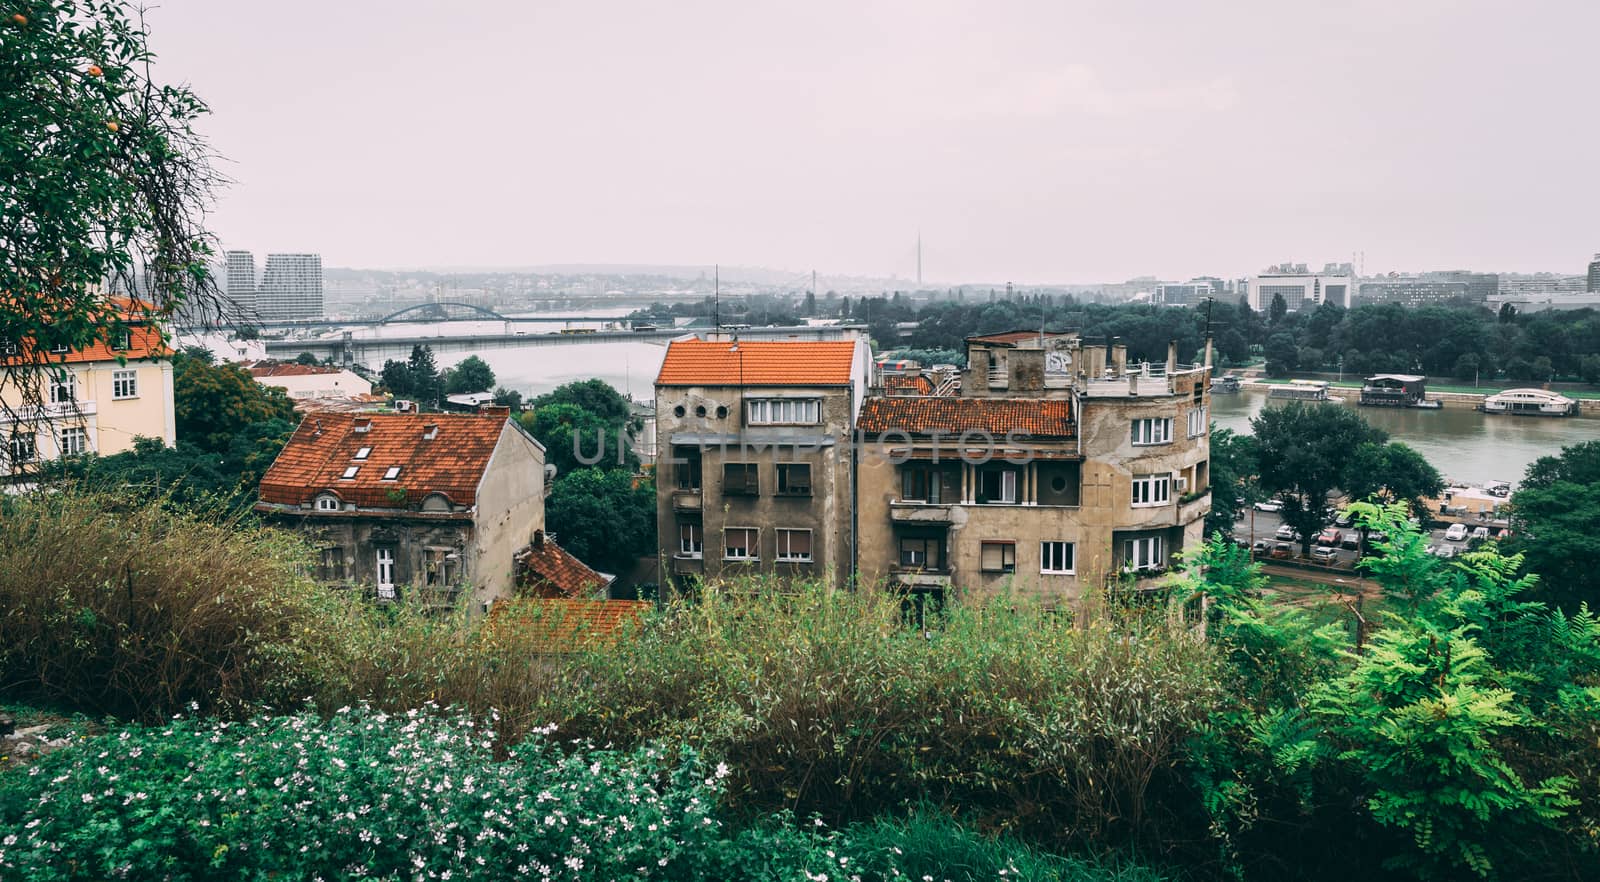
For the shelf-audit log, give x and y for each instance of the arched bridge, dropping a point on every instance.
(440, 312)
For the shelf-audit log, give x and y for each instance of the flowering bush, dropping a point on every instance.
(416, 796)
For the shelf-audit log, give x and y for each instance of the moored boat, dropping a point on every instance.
(1529, 402)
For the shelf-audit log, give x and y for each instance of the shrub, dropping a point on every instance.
(138, 610)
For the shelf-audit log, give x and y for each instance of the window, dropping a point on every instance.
(1152, 489)
(9, 348)
(997, 485)
(363, 453)
(391, 473)
(739, 543)
(1152, 431)
(124, 384)
(350, 472)
(687, 468)
(921, 483)
(331, 567)
(60, 349)
(1055, 558)
(64, 388)
(1197, 421)
(998, 557)
(784, 411)
(328, 502)
(1143, 554)
(122, 340)
(440, 567)
(921, 552)
(794, 479)
(691, 539)
(741, 479)
(23, 449)
(386, 574)
(794, 545)
(74, 441)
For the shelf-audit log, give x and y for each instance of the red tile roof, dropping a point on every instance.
(144, 341)
(325, 445)
(1012, 338)
(907, 384)
(287, 369)
(1037, 417)
(757, 363)
(564, 625)
(545, 569)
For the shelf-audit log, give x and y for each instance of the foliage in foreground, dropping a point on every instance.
(425, 796)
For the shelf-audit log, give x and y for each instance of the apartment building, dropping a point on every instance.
(1302, 289)
(1059, 468)
(92, 400)
(753, 470)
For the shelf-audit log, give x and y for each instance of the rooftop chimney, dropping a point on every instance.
(494, 410)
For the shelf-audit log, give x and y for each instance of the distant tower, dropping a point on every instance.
(1594, 275)
(239, 279)
(291, 288)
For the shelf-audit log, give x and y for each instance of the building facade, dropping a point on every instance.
(426, 506)
(1059, 470)
(239, 279)
(93, 400)
(753, 468)
(1302, 289)
(1429, 289)
(1594, 275)
(291, 288)
(300, 381)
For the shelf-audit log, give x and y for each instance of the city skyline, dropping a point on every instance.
(1032, 143)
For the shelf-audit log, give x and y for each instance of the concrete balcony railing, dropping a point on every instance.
(51, 412)
(1142, 380)
(998, 378)
(914, 512)
(920, 577)
(1193, 507)
(686, 500)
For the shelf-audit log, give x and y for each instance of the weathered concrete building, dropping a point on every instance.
(1059, 468)
(427, 505)
(753, 474)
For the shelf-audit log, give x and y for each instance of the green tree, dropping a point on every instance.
(509, 398)
(603, 516)
(471, 374)
(1303, 452)
(1554, 514)
(396, 377)
(1392, 472)
(575, 438)
(306, 358)
(427, 386)
(595, 396)
(1233, 479)
(189, 476)
(214, 402)
(1277, 309)
(104, 184)
(1282, 354)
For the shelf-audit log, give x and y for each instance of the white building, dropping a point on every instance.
(301, 381)
(1302, 289)
(291, 288)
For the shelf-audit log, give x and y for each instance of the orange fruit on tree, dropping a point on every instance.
(94, 70)
(20, 19)
(112, 125)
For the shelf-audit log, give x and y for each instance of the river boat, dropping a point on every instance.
(1301, 390)
(1529, 402)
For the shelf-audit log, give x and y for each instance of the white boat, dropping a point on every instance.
(1529, 402)
(1301, 390)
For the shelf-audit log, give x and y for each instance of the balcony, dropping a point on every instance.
(998, 378)
(914, 512)
(686, 565)
(1143, 380)
(917, 577)
(1193, 506)
(686, 500)
(50, 412)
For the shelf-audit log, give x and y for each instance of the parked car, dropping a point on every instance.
(1351, 540)
(1446, 551)
(1282, 551)
(1480, 534)
(1456, 533)
(1324, 555)
(1344, 518)
(1269, 505)
(1287, 534)
(1262, 546)
(1503, 533)
(1330, 537)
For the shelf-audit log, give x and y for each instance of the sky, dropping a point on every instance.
(1058, 141)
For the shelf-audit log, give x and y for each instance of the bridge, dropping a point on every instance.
(374, 351)
(431, 313)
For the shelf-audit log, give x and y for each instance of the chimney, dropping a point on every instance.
(1172, 356)
(1119, 356)
(538, 538)
(1208, 350)
(494, 410)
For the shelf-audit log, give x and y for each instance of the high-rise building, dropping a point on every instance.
(239, 279)
(1445, 287)
(291, 288)
(1302, 289)
(1594, 275)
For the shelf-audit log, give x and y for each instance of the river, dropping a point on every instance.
(1462, 444)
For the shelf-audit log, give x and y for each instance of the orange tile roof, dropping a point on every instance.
(1037, 417)
(287, 369)
(564, 625)
(325, 445)
(907, 384)
(1012, 338)
(144, 341)
(545, 569)
(758, 363)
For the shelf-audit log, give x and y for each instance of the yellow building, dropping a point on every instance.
(94, 400)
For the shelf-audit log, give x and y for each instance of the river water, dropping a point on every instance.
(1464, 445)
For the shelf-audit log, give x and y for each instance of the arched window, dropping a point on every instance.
(328, 502)
(436, 502)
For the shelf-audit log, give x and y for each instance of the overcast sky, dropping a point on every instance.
(1048, 141)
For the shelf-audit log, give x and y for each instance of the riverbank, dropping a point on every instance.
(1460, 397)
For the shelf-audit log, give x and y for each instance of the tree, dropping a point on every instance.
(104, 186)
(306, 358)
(595, 396)
(1303, 451)
(1278, 309)
(509, 398)
(214, 402)
(603, 517)
(396, 377)
(1553, 518)
(1233, 481)
(1282, 355)
(575, 438)
(1392, 472)
(471, 374)
(427, 386)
